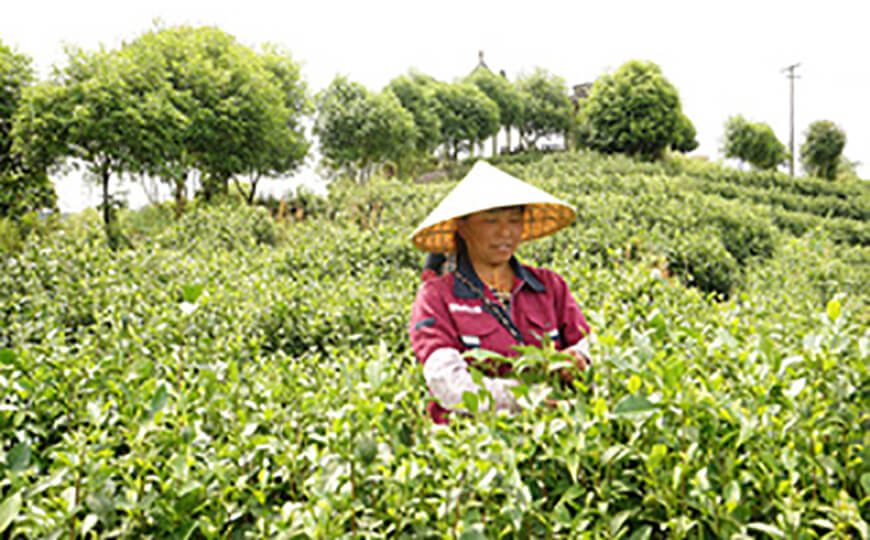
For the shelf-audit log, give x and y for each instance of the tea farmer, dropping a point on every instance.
(484, 297)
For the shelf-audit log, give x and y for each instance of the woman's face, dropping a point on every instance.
(492, 236)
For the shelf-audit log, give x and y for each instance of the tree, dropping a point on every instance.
(505, 95)
(547, 108)
(22, 189)
(754, 143)
(636, 111)
(230, 111)
(466, 115)
(85, 114)
(170, 104)
(822, 148)
(686, 140)
(416, 93)
(358, 129)
(281, 146)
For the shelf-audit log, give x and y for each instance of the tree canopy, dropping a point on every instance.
(754, 143)
(172, 102)
(467, 115)
(416, 93)
(232, 111)
(635, 110)
(23, 189)
(822, 148)
(546, 108)
(358, 129)
(86, 114)
(505, 94)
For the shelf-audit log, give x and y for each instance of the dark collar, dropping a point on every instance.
(463, 264)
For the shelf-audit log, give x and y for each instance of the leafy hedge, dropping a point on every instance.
(256, 381)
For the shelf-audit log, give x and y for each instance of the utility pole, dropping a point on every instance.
(791, 76)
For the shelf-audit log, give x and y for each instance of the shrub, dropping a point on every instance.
(745, 236)
(703, 262)
(222, 227)
(754, 143)
(821, 150)
(635, 111)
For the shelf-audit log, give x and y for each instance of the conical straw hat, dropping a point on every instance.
(485, 188)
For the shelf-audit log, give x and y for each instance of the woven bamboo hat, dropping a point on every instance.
(485, 188)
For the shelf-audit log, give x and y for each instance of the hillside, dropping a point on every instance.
(235, 375)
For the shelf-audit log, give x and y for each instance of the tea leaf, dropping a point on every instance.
(473, 533)
(88, 524)
(634, 405)
(732, 495)
(18, 459)
(643, 533)
(795, 388)
(191, 292)
(833, 309)
(471, 402)
(7, 356)
(770, 530)
(158, 400)
(9, 510)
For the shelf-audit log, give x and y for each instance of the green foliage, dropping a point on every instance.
(635, 111)
(223, 227)
(171, 103)
(754, 143)
(22, 189)
(466, 113)
(10, 236)
(358, 129)
(22, 192)
(497, 88)
(704, 262)
(546, 108)
(220, 382)
(217, 107)
(822, 147)
(686, 140)
(416, 93)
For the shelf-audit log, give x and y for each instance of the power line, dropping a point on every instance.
(791, 76)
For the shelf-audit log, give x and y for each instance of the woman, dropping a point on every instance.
(486, 298)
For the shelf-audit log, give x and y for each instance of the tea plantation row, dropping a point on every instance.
(233, 377)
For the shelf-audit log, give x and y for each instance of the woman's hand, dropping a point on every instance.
(580, 361)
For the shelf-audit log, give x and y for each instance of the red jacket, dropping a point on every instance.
(448, 314)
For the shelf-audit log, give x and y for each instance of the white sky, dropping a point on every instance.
(725, 58)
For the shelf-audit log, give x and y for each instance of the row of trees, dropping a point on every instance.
(173, 103)
(186, 103)
(755, 143)
(415, 115)
(634, 110)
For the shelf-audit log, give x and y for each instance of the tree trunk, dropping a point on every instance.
(495, 144)
(255, 178)
(509, 139)
(107, 209)
(179, 194)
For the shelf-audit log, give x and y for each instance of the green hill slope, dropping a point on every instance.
(237, 376)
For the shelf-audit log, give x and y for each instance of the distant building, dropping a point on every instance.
(481, 64)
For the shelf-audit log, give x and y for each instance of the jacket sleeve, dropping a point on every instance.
(436, 345)
(572, 323)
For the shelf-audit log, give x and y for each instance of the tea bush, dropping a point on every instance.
(239, 377)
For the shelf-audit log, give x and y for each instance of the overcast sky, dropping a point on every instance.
(725, 58)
